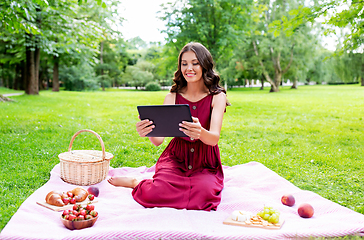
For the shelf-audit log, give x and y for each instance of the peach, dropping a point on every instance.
(93, 190)
(305, 210)
(288, 200)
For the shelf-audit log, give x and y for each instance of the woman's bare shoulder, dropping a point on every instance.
(170, 98)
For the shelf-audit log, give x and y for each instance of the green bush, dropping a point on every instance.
(79, 78)
(152, 86)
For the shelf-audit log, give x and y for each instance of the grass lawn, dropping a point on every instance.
(313, 137)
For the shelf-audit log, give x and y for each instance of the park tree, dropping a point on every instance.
(274, 52)
(342, 14)
(217, 24)
(48, 28)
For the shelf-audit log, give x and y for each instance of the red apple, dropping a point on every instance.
(93, 190)
(288, 200)
(305, 210)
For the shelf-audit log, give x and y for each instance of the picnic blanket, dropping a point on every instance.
(248, 187)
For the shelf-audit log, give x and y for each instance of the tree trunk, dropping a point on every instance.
(36, 65)
(31, 87)
(23, 75)
(55, 87)
(17, 78)
(101, 63)
(362, 81)
(265, 73)
(2, 76)
(294, 85)
(262, 80)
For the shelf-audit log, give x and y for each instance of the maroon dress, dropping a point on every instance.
(188, 174)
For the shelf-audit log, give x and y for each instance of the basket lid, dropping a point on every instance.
(84, 156)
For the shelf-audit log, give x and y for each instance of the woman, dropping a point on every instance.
(188, 174)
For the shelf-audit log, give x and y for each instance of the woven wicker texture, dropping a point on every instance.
(85, 167)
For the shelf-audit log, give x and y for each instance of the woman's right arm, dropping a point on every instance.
(142, 126)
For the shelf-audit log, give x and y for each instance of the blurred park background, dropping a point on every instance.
(78, 45)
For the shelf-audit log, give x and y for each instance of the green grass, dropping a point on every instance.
(312, 136)
(7, 91)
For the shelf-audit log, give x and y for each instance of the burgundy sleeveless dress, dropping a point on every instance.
(188, 174)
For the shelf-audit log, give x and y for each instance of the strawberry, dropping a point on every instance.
(73, 201)
(80, 218)
(88, 216)
(66, 217)
(75, 213)
(66, 200)
(90, 207)
(72, 217)
(93, 213)
(91, 197)
(65, 212)
(70, 194)
(83, 212)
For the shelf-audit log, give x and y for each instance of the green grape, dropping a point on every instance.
(274, 218)
(261, 214)
(266, 216)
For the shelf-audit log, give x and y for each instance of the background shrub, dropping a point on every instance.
(152, 86)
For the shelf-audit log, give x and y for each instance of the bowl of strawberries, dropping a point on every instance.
(79, 217)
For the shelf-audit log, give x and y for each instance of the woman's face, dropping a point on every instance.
(190, 67)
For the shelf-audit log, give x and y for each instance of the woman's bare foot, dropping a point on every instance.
(128, 182)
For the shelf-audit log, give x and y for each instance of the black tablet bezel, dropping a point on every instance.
(166, 118)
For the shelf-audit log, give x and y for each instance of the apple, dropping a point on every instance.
(288, 200)
(305, 210)
(93, 190)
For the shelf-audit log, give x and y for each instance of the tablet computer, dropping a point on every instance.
(166, 119)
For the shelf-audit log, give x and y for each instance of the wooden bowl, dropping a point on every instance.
(72, 225)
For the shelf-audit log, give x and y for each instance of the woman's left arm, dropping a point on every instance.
(211, 136)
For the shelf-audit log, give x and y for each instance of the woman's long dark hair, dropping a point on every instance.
(210, 77)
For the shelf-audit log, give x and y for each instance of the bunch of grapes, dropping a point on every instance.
(269, 214)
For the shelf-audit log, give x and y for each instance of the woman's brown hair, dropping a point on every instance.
(210, 77)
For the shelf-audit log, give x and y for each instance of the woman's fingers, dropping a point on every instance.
(144, 127)
(191, 129)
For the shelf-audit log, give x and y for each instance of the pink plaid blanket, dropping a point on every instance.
(247, 187)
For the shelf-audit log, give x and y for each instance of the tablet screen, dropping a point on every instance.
(166, 119)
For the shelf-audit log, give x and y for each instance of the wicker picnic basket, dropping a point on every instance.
(85, 167)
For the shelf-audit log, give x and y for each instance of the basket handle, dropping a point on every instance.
(97, 135)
